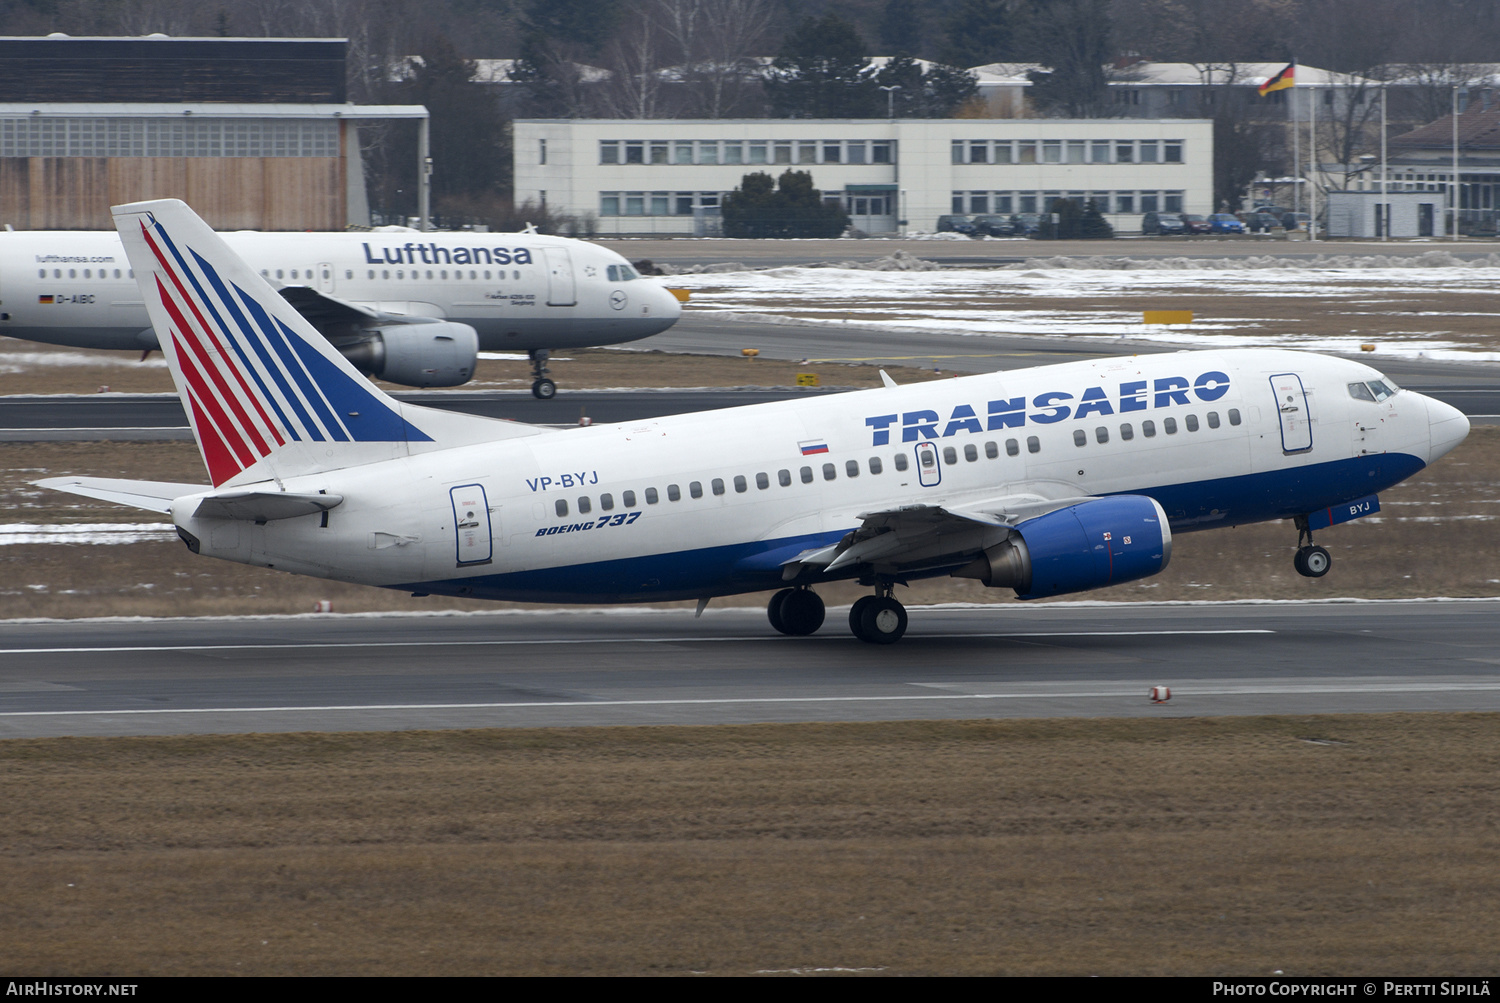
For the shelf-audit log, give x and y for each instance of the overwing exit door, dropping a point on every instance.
(929, 469)
(1292, 410)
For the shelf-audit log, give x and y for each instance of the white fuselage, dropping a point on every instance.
(1217, 438)
(518, 291)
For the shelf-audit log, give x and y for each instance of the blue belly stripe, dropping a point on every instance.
(756, 566)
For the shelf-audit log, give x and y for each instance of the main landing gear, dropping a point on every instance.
(542, 388)
(877, 619)
(797, 612)
(1311, 561)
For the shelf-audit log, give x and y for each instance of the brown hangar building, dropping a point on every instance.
(254, 133)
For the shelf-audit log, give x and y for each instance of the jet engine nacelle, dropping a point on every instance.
(436, 354)
(1081, 547)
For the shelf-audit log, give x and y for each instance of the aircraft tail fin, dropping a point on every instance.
(266, 394)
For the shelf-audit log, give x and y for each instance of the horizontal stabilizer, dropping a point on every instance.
(153, 496)
(264, 506)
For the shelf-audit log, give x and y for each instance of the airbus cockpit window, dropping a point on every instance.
(621, 273)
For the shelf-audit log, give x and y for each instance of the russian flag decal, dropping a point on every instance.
(813, 446)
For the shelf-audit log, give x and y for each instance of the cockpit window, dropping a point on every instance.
(621, 273)
(1374, 390)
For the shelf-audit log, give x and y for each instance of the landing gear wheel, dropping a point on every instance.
(544, 390)
(801, 613)
(857, 612)
(1312, 562)
(773, 610)
(882, 621)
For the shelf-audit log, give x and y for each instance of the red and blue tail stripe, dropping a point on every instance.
(252, 383)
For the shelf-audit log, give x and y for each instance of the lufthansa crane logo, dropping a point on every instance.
(618, 299)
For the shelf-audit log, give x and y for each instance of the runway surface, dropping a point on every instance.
(585, 668)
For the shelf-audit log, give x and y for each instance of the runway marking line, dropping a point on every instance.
(577, 640)
(1135, 691)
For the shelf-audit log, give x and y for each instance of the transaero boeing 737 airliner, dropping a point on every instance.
(412, 308)
(1047, 481)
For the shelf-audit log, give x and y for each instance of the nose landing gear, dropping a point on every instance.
(1311, 561)
(542, 388)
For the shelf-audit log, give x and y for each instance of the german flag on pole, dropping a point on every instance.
(1281, 81)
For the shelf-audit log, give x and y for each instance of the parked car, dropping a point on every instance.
(1275, 210)
(1258, 222)
(1195, 223)
(1163, 222)
(955, 224)
(995, 226)
(1223, 222)
(1027, 224)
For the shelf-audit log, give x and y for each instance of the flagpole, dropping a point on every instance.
(1312, 154)
(1385, 195)
(1296, 144)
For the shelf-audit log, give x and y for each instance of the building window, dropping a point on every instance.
(1052, 151)
(881, 152)
(1125, 202)
(734, 153)
(1125, 153)
(708, 152)
(854, 152)
(1076, 150)
(659, 152)
(609, 153)
(682, 153)
(807, 153)
(833, 153)
(1172, 151)
(757, 153)
(979, 153)
(1150, 149)
(1003, 154)
(635, 204)
(784, 153)
(635, 153)
(1149, 201)
(979, 202)
(1026, 152)
(541, 153)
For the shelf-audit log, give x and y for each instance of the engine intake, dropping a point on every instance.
(436, 354)
(1088, 546)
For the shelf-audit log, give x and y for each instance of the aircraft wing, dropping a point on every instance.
(154, 496)
(917, 537)
(323, 310)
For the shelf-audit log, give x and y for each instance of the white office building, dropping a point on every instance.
(892, 176)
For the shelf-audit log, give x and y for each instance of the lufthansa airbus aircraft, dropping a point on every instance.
(1047, 481)
(412, 308)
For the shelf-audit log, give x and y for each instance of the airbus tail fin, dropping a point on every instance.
(266, 394)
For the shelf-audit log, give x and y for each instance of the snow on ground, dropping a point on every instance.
(16, 533)
(953, 300)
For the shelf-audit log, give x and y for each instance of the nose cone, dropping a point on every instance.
(1447, 427)
(671, 306)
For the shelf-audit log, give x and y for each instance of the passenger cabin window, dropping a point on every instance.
(1192, 422)
(875, 466)
(829, 471)
(674, 493)
(717, 485)
(584, 506)
(1080, 437)
(695, 488)
(628, 499)
(901, 463)
(606, 503)
(851, 468)
(762, 481)
(651, 496)
(1033, 444)
(1012, 447)
(971, 452)
(807, 477)
(1169, 425)
(1148, 429)
(1234, 416)
(1102, 434)
(561, 507)
(991, 450)
(784, 478)
(950, 455)
(1126, 432)
(1213, 419)
(739, 484)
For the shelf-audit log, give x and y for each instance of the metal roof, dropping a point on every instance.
(111, 109)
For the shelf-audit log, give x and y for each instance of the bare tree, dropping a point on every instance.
(634, 61)
(715, 43)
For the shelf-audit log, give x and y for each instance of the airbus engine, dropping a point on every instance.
(1082, 547)
(436, 354)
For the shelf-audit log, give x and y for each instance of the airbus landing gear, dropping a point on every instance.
(797, 612)
(1311, 561)
(542, 388)
(878, 619)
